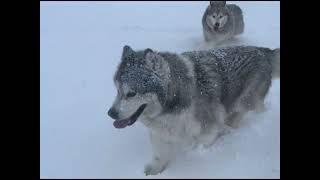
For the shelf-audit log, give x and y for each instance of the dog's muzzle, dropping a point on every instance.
(130, 120)
(113, 113)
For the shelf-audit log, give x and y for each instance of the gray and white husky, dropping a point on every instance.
(221, 22)
(190, 98)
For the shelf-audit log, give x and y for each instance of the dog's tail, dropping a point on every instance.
(275, 61)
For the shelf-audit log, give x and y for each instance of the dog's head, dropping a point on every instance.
(140, 81)
(217, 15)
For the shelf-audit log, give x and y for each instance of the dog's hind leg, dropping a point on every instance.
(251, 99)
(254, 99)
(261, 93)
(234, 119)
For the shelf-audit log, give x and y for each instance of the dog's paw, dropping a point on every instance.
(153, 169)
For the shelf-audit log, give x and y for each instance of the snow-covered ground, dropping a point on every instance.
(81, 44)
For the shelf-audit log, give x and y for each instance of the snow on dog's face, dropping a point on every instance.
(140, 81)
(217, 15)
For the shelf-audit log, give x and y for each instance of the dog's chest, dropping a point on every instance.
(174, 127)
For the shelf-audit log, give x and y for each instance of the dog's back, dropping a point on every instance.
(235, 69)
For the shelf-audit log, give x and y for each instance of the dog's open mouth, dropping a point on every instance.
(122, 123)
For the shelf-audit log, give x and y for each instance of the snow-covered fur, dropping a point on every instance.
(189, 98)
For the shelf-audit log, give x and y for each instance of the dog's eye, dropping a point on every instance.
(214, 16)
(221, 16)
(131, 94)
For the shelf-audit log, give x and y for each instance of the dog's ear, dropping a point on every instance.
(127, 51)
(218, 3)
(156, 63)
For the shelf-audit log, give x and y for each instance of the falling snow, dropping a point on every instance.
(81, 45)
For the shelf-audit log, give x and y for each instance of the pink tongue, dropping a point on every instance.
(121, 123)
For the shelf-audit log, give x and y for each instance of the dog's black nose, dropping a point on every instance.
(113, 113)
(217, 24)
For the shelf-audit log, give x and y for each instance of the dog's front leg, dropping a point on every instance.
(163, 152)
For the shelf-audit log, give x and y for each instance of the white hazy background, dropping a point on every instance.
(80, 48)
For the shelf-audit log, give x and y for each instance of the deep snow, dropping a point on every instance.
(80, 48)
